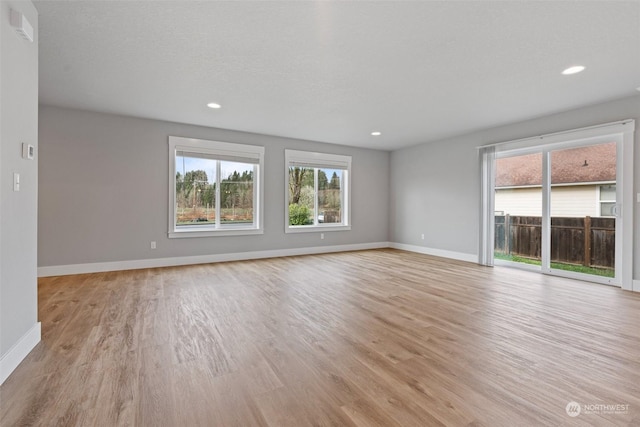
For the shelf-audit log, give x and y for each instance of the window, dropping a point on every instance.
(215, 188)
(317, 193)
(607, 199)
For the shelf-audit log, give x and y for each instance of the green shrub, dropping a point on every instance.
(299, 215)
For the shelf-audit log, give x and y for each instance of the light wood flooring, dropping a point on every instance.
(371, 338)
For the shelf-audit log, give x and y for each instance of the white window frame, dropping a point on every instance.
(319, 161)
(221, 151)
(600, 201)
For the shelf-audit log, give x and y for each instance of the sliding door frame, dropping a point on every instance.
(546, 209)
(623, 134)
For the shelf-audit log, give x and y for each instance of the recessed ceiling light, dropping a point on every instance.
(376, 133)
(573, 70)
(213, 105)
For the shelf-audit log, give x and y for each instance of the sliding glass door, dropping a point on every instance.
(518, 209)
(556, 209)
(582, 209)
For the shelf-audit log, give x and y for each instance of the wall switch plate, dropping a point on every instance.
(321, 236)
(28, 151)
(153, 245)
(16, 181)
(422, 236)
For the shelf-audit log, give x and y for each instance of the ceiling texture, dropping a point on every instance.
(336, 71)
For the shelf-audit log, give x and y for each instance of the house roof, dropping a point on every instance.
(595, 163)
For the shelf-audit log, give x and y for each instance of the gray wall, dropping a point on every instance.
(435, 188)
(104, 191)
(18, 210)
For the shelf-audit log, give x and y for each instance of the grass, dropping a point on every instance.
(213, 221)
(605, 272)
(204, 216)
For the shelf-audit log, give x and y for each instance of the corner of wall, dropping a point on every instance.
(16, 354)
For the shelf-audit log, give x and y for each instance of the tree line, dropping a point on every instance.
(303, 177)
(193, 189)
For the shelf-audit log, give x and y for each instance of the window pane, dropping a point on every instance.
(518, 185)
(301, 196)
(236, 193)
(518, 209)
(580, 240)
(608, 193)
(330, 196)
(606, 209)
(195, 191)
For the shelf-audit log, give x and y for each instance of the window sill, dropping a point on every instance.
(188, 233)
(315, 228)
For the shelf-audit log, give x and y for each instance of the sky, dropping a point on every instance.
(186, 164)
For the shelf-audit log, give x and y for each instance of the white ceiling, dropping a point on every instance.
(336, 71)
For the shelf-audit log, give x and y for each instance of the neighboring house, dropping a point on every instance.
(583, 183)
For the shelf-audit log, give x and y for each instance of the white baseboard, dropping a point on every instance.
(436, 252)
(63, 270)
(16, 354)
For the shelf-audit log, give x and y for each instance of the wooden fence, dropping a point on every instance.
(587, 241)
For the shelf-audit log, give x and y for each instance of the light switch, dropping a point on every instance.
(16, 181)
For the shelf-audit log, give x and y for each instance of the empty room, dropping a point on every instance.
(319, 213)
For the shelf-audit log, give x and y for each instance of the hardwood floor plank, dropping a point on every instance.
(381, 337)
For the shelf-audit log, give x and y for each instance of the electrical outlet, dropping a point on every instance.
(422, 236)
(153, 245)
(321, 236)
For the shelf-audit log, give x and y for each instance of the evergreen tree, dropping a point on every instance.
(335, 182)
(323, 182)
